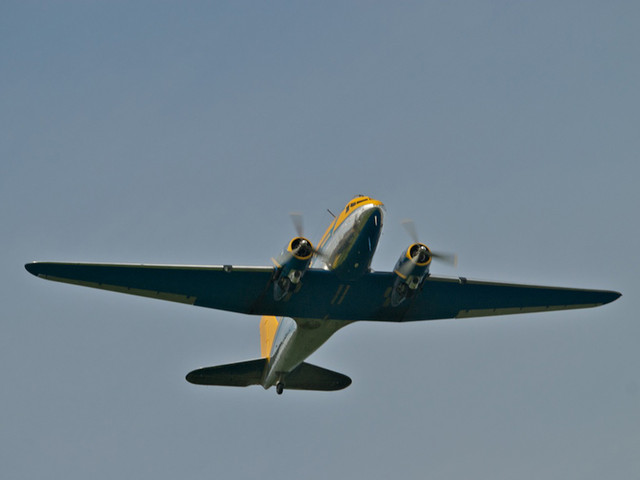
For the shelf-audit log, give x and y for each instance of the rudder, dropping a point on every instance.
(268, 328)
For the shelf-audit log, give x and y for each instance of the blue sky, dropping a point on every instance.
(167, 133)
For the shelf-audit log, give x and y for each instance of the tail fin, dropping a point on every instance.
(243, 374)
(268, 329)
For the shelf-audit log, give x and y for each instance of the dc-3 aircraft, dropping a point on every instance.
(312, 292)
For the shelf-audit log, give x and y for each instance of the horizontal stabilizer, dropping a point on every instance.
(310, 377)
(243, 374)
(240, 374)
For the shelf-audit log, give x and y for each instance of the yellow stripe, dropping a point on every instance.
(355, 203)
(335, 297)
(325, 237)
(343, 294)
(387, 297)
(268, 328)
(397, 272)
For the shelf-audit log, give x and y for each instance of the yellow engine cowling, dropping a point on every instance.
(291, 265)
(411, 269)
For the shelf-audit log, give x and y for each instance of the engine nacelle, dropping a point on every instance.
(291, 265)
(411, 269)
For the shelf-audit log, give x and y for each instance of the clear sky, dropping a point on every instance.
(185, 132)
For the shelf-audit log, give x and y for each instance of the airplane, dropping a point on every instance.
(312, 292)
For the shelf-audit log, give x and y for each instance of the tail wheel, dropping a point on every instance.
(279, 388)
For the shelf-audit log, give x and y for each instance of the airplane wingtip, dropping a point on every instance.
(32, 268)
(611, 296)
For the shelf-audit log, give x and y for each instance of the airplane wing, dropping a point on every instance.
(322, 294)
(223, 287)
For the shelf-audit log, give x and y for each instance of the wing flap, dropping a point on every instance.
(171, 297)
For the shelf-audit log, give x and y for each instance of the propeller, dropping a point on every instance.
(298, 224)
(445, 257)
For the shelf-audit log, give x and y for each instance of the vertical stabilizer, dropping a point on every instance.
(268, 328)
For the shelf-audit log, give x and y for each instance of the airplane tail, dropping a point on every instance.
(243, 374)
(268, 329)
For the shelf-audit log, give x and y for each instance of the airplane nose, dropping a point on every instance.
(370, 224)
(376, 215)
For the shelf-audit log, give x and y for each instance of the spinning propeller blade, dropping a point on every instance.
(410, 227)
(296, 218)
(298, 224)
(444, 257)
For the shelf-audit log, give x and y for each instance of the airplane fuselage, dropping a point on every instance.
(346, 249)
(348, 245)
